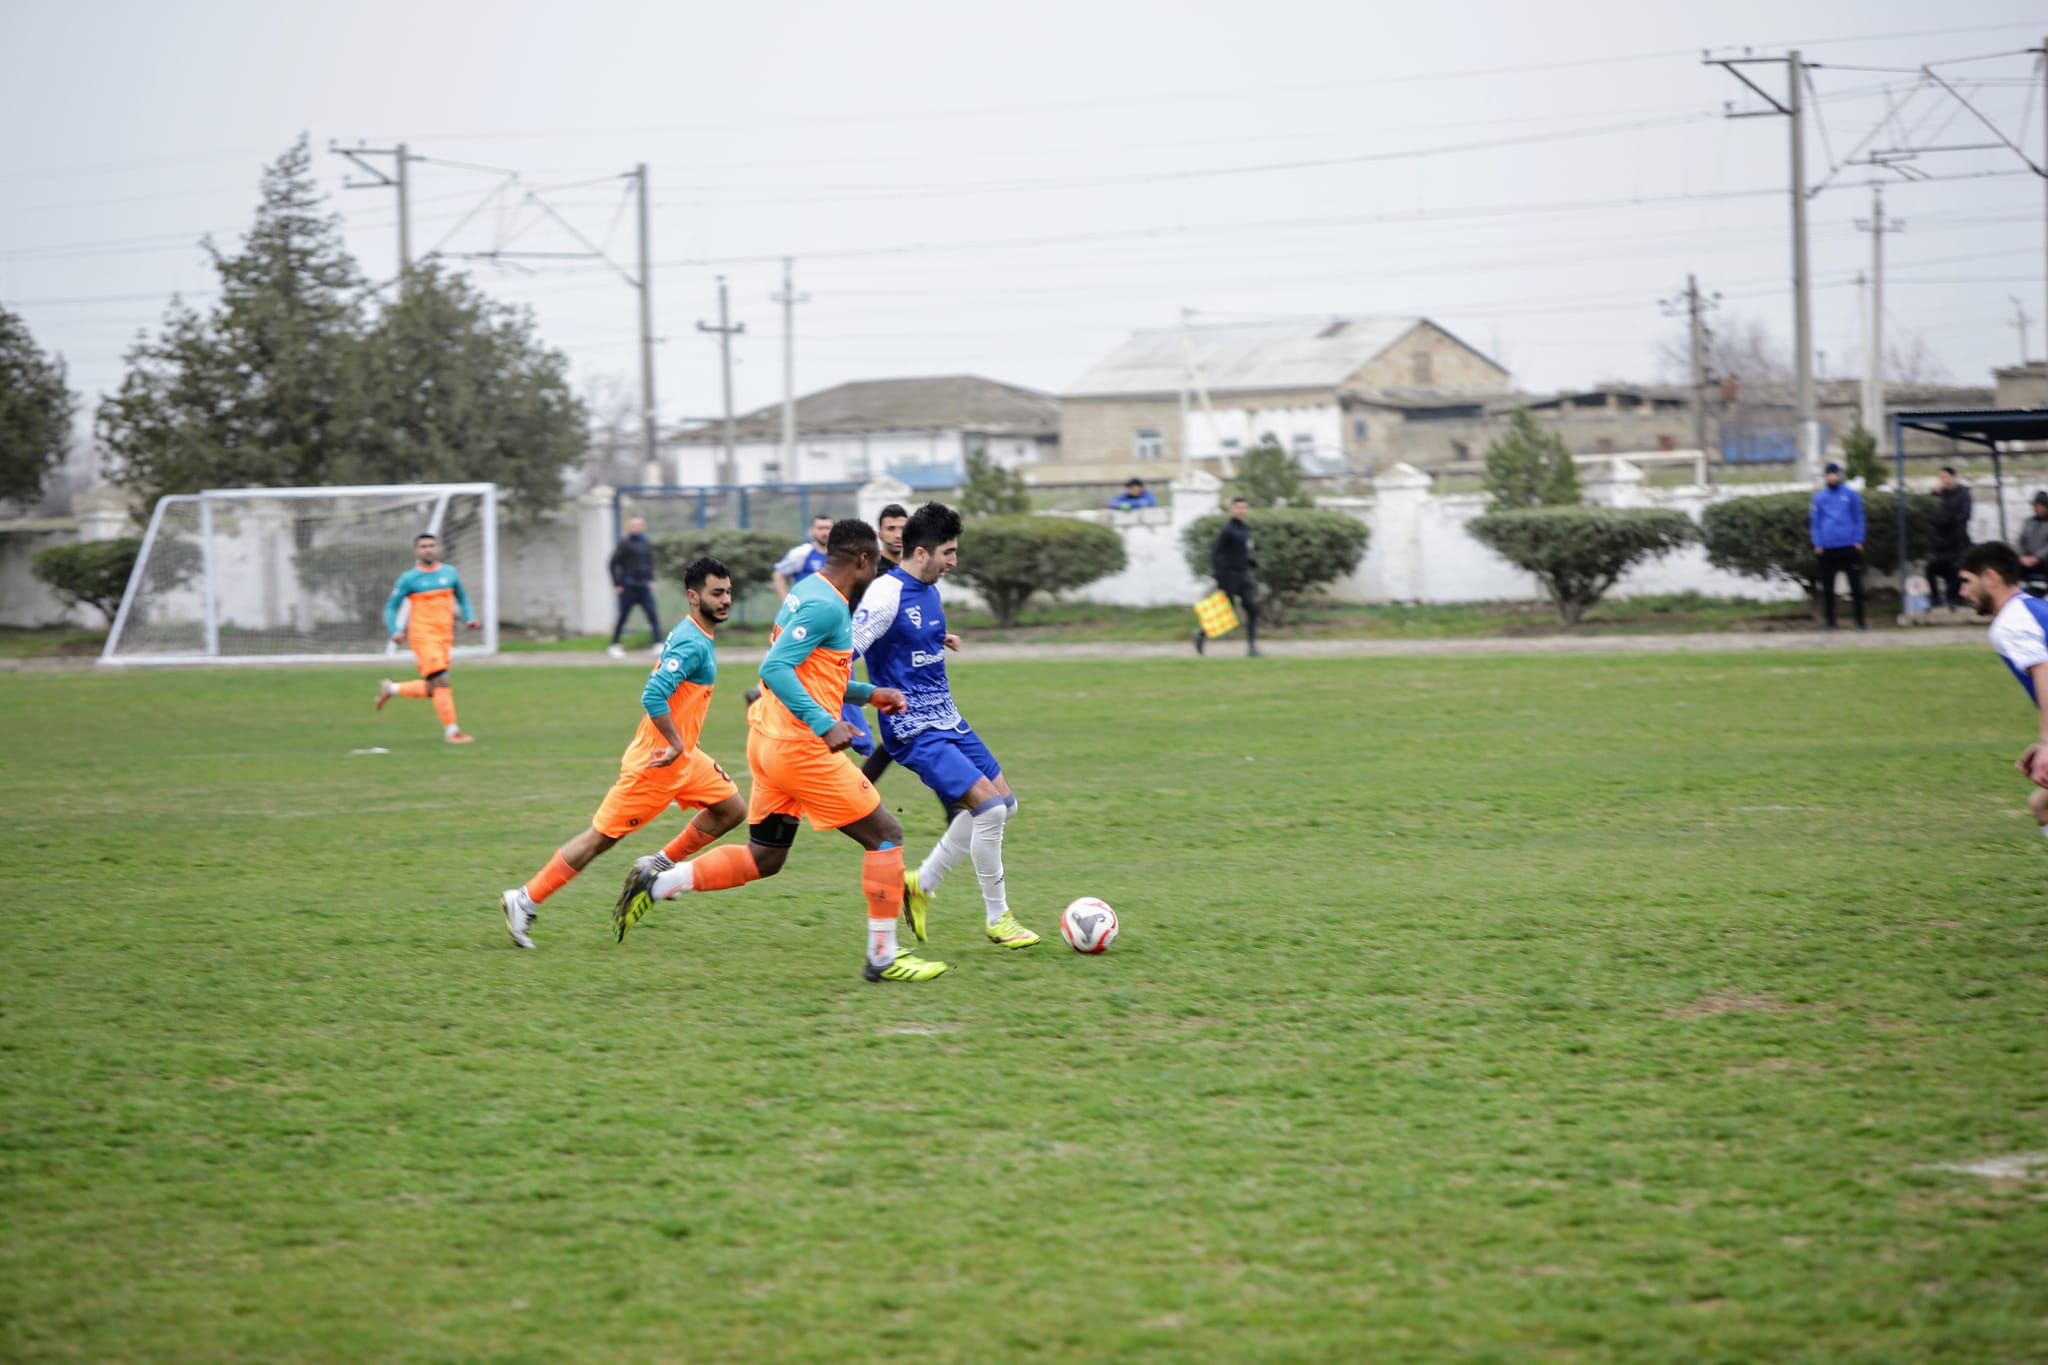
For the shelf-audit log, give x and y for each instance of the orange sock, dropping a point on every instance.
(881, 879)
(550, 879)
(686, 844)
(724, 868)
(416, 688)
(444, 707)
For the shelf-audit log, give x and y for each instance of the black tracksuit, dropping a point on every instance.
(1945, 551)
(633, 575)
(1231, 561)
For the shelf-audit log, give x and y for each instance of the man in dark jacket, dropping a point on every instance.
(633, 582)
(1834, 523)
(1231, 561)
(1951, 538)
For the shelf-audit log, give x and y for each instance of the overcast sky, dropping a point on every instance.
(1009, 190)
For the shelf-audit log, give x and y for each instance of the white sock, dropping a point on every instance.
(946, 854)
(678, 879)
(987, 847)
(2044, 831)
(881, 941)
(450, 729)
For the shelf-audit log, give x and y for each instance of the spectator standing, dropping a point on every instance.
(1835, 524)
(1231, 561)
(2033, 546)
(633, 583)
(1951, 539)
(1134, 496)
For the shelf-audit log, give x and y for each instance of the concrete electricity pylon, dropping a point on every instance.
(383, 179)
(726, 330)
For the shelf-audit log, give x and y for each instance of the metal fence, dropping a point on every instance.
(669, 508)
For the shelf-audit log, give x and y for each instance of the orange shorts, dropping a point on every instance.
(806, 779)
(693, 781)
(434, 655)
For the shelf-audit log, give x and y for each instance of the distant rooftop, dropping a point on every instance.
(1287, 354)
(939, 403)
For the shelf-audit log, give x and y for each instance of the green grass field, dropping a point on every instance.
(1549, 1008)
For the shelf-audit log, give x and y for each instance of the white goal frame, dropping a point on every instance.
(484, 584)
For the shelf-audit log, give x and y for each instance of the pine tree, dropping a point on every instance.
(1530, 467)
(35, 412)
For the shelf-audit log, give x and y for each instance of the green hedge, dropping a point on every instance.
(92, 571)
(1578, 553)
(1766, 537)
(1007, 559)
(750, 555)
(1299, 549)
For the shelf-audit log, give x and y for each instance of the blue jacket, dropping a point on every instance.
(1836, 518)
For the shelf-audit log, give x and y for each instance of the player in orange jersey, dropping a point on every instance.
(435, 593)
(795, 752)
(663, 766)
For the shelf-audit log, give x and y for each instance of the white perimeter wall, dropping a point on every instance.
(553, 575)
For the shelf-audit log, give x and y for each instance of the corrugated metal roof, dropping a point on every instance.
(1290, 354)
(939, 403)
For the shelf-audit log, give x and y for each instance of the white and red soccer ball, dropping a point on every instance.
(1088, 925)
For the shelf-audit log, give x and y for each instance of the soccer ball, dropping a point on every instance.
(1088, 925)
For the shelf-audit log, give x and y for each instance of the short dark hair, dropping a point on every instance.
(929, 527)
(850, 539)
(1241, 498)
(1134, 482)
(817, 517)
(2041, 497)
(1949, 470)
(425, 535)
(1993, 556)
(703, 567)
(894, 509)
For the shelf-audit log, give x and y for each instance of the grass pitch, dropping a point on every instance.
(1589, 1009)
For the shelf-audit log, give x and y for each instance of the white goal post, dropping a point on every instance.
(298, 575)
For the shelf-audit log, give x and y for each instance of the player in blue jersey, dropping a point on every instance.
(2019, 632)
(803, 559)
(900, 629)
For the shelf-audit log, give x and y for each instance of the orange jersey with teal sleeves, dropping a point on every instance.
(435, 596)
(807, 675)
(680, 688)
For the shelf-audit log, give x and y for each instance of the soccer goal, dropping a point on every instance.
(276, 575)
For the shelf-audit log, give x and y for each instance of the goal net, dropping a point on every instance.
(298, 574)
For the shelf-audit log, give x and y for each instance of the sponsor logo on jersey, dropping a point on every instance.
(921, 658)
(800, 632)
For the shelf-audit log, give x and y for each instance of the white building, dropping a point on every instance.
(919, 431)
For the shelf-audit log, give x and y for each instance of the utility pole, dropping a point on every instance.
(726, 330)
(648, 455)
(789, 299)
(1877, 225)
(2020, 320)
(392, 179)
(1694, 305)
(1794, 110)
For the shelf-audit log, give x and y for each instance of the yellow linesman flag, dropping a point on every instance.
(1216, 615)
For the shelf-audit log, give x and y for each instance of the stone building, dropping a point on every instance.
(1334, 391)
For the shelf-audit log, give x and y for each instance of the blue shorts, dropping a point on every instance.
(863, 738)
(949, 761)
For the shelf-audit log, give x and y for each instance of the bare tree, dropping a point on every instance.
(614, 454)
(1908, 359)
(1738, 347)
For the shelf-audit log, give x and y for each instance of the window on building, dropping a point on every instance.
(1358, 429)
(1604, 446)
(1304, 445)
(771, 471)
(1460, 451)
(1148, 444)
(856, 464)
(1667, 442)
(1423, 369)
(1231, 445)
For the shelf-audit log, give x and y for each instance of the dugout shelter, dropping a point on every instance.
(1987, 427)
